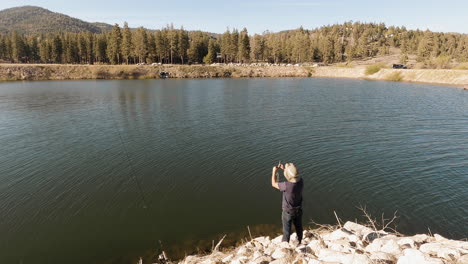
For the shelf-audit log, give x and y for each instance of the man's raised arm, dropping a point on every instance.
(274, 183)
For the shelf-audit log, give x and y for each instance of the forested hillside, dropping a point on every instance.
(33, 20)
(329, 44)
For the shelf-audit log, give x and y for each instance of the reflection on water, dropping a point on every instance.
(202, 151)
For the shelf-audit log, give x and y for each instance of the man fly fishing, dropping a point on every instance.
(292, 199)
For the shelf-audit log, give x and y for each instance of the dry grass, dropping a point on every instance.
(394, 77)
(374, 68)
(461, 66)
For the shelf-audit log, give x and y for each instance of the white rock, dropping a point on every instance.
(243, 251)
(277, 239)
(339, 245)
(442, 250)
(384, 245)
(413, 256)
(439, 238)
(315, 246)
(240, 260)
(293, 237)
(256, 255)
(329, 255)
(357, 229)
(281, 261)
(313, 261)
(249, 245)
(406, 241)
(421, 238)
(391, 247)
(264, 240)
(284, 244)
(280, 253)
(335, 235)
(268, 251)
(228, 258)
(353, 238)
(262, 260)
(463, 260)
(378, 255)
(360, 259)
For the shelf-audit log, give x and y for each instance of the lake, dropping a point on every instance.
(106, 171)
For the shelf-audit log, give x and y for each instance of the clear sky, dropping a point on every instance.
(260, 15)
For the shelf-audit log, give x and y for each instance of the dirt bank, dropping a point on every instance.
(15, 72)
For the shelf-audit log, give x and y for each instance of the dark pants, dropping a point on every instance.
(289, 218)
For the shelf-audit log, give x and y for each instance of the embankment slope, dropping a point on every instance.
(15, 72)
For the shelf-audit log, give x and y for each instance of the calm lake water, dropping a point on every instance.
(104, 171)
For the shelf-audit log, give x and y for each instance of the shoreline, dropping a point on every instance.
(351, 243)
(38, 72)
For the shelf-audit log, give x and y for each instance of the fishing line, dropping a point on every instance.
(129, 162)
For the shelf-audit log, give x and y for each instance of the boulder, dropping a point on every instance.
(240, 260)
(281, 261)
(263, 240)
(261, 260)
(389, 246)
(284, 244)
(336, 235)
(313, 261)
(277, 239)
(315, 246)
(357, 229)
(243, 251)
(257, 254)
(463, 259)
(281, 253)
(339, 245)
(413, 256)
(406, 241)
(421, 238)
(228, 258)
(327, 255)
(439, 238)
(441, 250)
(380, 256)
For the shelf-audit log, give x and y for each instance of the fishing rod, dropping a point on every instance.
(129, 162)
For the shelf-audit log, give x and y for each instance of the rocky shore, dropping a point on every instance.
(351, 244)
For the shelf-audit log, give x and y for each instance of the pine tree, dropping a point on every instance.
(183, 45)
(234, 45)
(258, 48)
(17, 45)
(45, 51)
(152, 52)
(226, 46)
(211, 56)
(127, 45)
(56, 50)
(90, 48)
(114, 45)
(244, 46)
(34, 51)
(141, 44)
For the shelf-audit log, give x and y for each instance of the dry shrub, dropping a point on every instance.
(394, 77)
(374, 68)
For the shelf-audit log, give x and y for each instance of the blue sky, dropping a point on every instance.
(261, 15)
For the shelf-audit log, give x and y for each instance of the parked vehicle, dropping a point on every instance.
(399, 66)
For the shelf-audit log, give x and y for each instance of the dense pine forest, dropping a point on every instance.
(328, 44)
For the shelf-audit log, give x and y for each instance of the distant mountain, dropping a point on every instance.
(33, 19)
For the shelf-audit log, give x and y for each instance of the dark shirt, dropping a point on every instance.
(292, 195)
